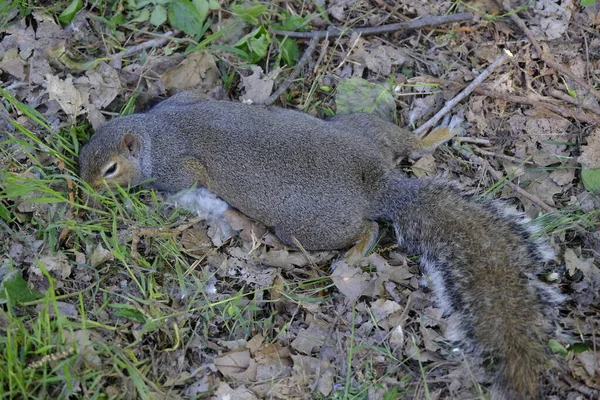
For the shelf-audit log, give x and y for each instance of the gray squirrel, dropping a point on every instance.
(324, 184)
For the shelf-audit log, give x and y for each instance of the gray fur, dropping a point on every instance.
(323, 182)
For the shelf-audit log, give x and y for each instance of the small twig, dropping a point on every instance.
(547, 57)
(581, 388)
(422, 130)
(498, 176)
(199, 261)
(322, 54)
(347, 53)
(565, 97)
(333, 32)
(116, 59)
(297, 69)
(565, 112)
(303, 250)
(498, 43)
(500, 155)
(466, 139)
(159, 232)
(406, 309)
(164, 232)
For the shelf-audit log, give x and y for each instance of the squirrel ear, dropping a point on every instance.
(131, 144)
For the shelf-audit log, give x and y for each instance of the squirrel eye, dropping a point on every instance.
(110, 170)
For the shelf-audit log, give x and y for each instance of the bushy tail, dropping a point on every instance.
(483, 260)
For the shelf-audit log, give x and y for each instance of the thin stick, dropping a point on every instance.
(500, 155)
(159, 232)
(587, 391)
(422, 130)
(117, 58)
(547, 57)
(576, 102)
(432, 20)
(322, 54)
(304, 252)
(565, 112)
(498, 176)
(297, 69)
(484, 142)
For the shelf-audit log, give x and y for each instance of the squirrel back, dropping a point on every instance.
(310, 180)
(323, 184)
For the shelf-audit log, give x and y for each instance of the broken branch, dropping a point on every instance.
(422, 130)
(116, 59)
(499, 176)
(432, 20)
(563, 111)
(575, 101)
(297, 69)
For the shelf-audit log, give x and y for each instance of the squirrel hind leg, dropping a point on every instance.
(364, 243)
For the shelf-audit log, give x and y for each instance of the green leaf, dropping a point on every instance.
(247, 37)
(151, 326)
(557, 348)
(158, 16)
(231, 310)
(202, 6)
(239, 52)
(289, 51)
(293, 23)
(356, 95)
(114, 21)
(259, 45)
(185, 16)
(15, 288)
(69, 13)
(586, 3)
(131, 314)
(250, 14)
(136, 5)
(590, 178)
(255, 44)
(572, 92)
(143, 16)
(118, 19)
(5, 213)
(138, 381)
(578, 348)
(25, 109)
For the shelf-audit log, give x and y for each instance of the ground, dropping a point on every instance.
(122, 295)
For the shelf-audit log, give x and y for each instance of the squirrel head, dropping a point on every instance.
(112, 155)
